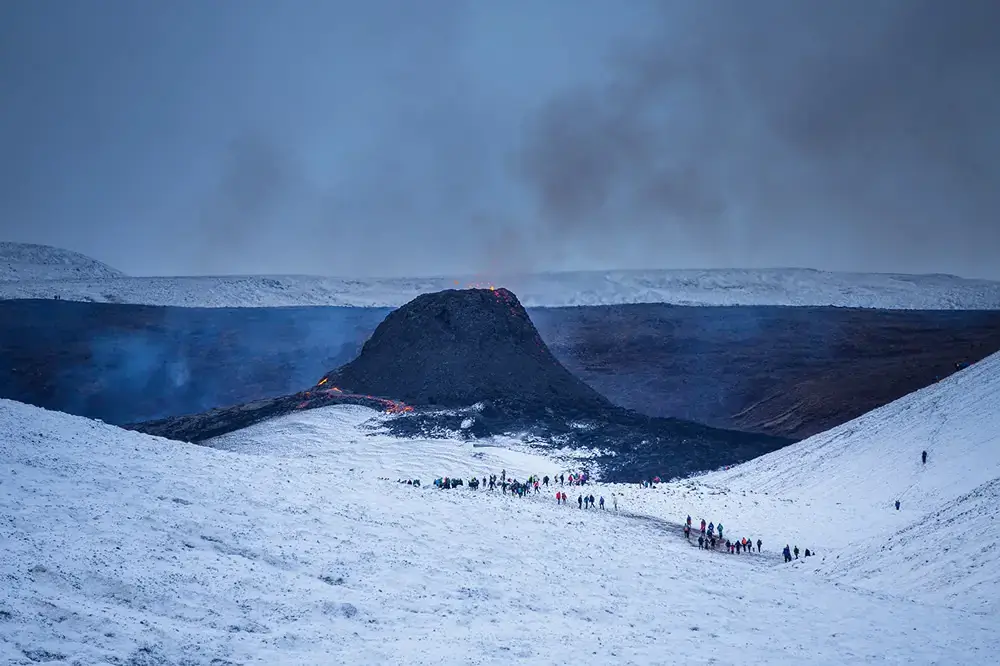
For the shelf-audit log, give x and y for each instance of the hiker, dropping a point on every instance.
(579, 501)
(545, 480)
(787, 553)
(796, 551)
(719, 527)
(897, 505)
(807, 554)
(614, 500)
(702, 525)
(602, 502)
(923, 456)
(689, 521)
(759, 542)
(712, 539)
(591, 501)
(687, 532)
(711, 529)
(701, 542)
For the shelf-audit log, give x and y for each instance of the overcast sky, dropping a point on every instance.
(437, 136)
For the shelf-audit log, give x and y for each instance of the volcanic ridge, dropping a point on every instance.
(470, 363)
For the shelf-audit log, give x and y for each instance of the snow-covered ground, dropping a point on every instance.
(25, 262)
(835, 492)
(286, 544)
(797, 287)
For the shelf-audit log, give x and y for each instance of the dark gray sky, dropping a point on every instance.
(439, 136)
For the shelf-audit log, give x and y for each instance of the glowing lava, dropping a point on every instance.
(316, 399)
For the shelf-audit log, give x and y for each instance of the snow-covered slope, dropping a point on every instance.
(26, 262)
(835, 492)
(704, 287)
(288, 548)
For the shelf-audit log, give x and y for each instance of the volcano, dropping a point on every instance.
(456, 348)
(470, 364)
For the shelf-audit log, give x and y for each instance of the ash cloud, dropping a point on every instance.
(401, 138)
(839, 135)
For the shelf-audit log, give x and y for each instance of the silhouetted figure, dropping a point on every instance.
(897, 505)
(923, 456)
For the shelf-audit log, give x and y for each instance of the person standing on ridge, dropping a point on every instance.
(719, 527)
(897, 505)
(923, 456)
(796, 551)
(702, 525)
(579, 501)
(759, 542)
(602, 502)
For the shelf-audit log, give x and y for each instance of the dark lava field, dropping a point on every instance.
(782, 371)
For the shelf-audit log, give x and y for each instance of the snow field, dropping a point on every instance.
(281, 545)
(791, 287)
(834, 492)
(28, 262)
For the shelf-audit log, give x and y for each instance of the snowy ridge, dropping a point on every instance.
(791, 287)
(289, 548)
(26, 262)
(835, 492)
(963, 570)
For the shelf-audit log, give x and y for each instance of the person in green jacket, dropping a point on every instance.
(720, 530)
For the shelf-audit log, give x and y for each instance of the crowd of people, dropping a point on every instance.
(711, 536)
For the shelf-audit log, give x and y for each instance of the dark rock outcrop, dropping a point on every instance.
(473, 364)
(201, 427)
(459, 347)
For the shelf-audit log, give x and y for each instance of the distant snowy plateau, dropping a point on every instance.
(34, 271)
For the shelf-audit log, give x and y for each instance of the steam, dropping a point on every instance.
(864, 132)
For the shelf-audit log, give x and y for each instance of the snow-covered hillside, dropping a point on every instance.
(705, 287)
(25, 262)
(284, 545)
(835, 492)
